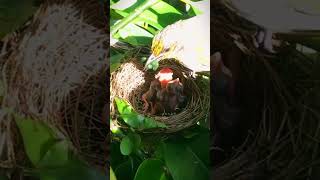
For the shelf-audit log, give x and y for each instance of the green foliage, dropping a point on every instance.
(140, 156)
(136, 22)
(35, 149)
(50, 154)
(150, 169)
(115, 61)
(112, 175)
(130, 143)
(73, 169)
(134, 119)
(126, 146)
(3, 177)
(14, 13)
(127, 169)
(188, 158)
(183, 156)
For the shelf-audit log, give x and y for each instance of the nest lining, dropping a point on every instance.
(130, 82)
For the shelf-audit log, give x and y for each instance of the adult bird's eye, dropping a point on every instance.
(166, 50)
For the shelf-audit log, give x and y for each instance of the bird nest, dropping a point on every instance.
(54, 71)
(130, 81)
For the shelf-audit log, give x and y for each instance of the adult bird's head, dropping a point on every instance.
(165, 45)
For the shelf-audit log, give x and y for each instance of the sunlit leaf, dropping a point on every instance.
(159, 15)
(123, 106)
(134, 119)
(135, 35)
(150, 169)
(112, 175)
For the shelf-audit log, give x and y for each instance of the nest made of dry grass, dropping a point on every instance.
(130, 81)
(55, 71)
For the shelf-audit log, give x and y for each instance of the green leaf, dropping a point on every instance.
(126, 146)
(112, 175)
(115, 129)
(133, 15)
(51, 155)
(134, 119)
(199, 144)
(151, 123)
(159, 152)
(150, 169)
(127, 170)
(145, 17)
(3, 177)
(14, 13)
(115, 61)
(135, 139)
(183, 163)
(159, 15)
(116, 58)
(57, 155)
(135, 35)
(35, 135)
(74, 169)
(116, 158)
(123, 106)
(166, 14)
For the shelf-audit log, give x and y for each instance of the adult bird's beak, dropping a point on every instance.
(150, 60)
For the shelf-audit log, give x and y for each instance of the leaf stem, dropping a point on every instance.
(132, 15)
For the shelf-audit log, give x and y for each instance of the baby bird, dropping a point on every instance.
(169, 98)
(164, 76)
(150, 97)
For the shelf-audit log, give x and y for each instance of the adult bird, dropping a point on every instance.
(278, 16)
(187, 41)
